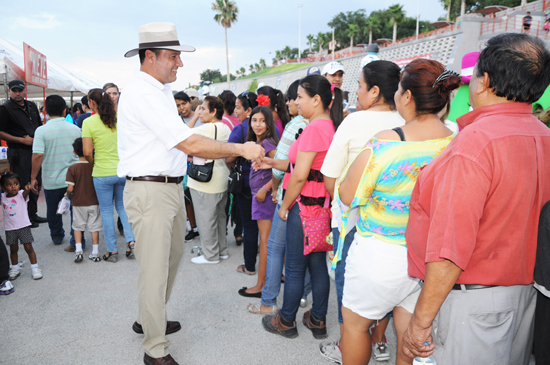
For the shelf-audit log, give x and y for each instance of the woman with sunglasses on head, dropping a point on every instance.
(244, 104)
(305, 194)
(378, 83)
(374, 197)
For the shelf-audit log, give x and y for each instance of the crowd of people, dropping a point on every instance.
(430, 223)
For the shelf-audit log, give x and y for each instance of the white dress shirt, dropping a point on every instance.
(149, 128)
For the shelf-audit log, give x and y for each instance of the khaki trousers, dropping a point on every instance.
(157, 214)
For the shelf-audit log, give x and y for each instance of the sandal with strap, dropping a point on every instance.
(255, 308)
(130, 250)
(113, 257)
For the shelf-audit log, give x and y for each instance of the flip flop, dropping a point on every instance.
(242, 270)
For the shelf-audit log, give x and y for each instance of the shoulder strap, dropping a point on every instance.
(399, 131)
(215, 132)
(230, 122)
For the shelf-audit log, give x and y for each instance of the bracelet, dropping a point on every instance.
(265, 188)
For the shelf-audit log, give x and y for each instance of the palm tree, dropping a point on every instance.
(321, 39)
(353, 30)
(243, 71)
(251, 68)
(463, 6)
(257, 67)
(226, 15)
(287, 52)
(373, 25)
(449, 10)
(310, 41)
(262, 63)
(397, 15)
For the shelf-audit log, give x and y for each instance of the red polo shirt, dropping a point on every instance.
(478, 203)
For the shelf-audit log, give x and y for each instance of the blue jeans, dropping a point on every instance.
(341, 266)
(107, 187)
(250, 229)
(295, 271)
(275, 260)
(55, 221)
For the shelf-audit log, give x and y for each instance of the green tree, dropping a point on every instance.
(373, 25)
(262, 63)
(353, 31)
(278, 55)
(251, 69)
(287, 52)
(210, 75)
(473, 5)
(322, 39)
(341, 21)
(227, 12)
(397, 15)
(310, 40)
(253, 86)
(257, 67)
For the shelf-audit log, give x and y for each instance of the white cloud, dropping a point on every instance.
(42, 21)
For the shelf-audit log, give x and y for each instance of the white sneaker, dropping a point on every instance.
(331, 351)
(6, 288)
(14, 273)
(22, 263)
(224, 257)
(381, 352)
(36, 273)
(201, 260)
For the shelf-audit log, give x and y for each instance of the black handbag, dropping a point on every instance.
(235, 181)
(202, 173)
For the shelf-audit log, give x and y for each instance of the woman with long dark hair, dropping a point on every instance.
(244, 105)
(99, 133)
(304, 184)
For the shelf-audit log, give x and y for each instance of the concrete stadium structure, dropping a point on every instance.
(447, 45)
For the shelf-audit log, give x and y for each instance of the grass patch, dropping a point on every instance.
(276, 70)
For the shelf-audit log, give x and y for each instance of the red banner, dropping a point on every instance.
(36, 69)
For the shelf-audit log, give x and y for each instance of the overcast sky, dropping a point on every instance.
(92, 36)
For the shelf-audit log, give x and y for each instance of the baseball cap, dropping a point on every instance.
(332, 67)
(192, 93)
(373, 47)
(16, 84)
(313, 70)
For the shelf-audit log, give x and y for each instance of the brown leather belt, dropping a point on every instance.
(473, 286)
(161, 179)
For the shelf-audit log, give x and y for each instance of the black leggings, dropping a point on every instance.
(250, 228)
(4, 262)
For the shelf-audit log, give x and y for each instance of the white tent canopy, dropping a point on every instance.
(60, 80)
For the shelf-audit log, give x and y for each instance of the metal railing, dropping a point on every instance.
(512, 23)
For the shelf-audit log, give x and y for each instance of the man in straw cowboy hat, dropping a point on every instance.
(153, 145)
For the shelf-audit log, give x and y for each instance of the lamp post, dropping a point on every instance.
(300, 6)
(418, 16)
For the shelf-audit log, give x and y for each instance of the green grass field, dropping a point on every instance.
(276, 70)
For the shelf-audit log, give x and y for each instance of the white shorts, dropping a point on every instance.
(376, 278)
(87, 216)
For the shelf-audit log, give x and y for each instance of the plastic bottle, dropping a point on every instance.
(424, 360)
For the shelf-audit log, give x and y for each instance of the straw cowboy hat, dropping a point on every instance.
(159, 35)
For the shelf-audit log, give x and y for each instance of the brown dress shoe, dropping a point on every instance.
(166, 360)
(171, 327)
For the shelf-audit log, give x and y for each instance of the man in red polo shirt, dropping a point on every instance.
(472, 231)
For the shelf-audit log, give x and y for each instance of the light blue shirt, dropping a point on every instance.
(55, 140)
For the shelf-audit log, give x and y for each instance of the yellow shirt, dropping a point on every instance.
(105, 145)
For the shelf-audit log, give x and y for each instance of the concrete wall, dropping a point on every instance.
(443, 48)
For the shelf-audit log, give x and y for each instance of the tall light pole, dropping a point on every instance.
(300, 6)
(418, 17)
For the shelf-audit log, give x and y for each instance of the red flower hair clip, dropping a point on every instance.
(263, 100)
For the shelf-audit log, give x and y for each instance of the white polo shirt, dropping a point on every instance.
(149, 128)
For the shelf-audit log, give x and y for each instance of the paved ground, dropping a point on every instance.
(83, 313)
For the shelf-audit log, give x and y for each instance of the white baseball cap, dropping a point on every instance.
(332, 67)
(192, 93)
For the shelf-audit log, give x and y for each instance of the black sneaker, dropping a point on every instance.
(34, 225)
(316, 326)
(191, 235)
(39, 219)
